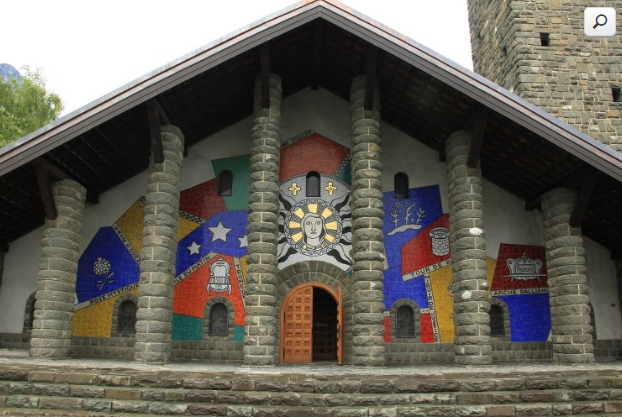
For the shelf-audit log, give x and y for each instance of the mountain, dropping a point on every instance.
(8, 72)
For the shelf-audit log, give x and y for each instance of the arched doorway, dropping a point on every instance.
(312, 325)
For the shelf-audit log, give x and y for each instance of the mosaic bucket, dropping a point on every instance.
(440, 241)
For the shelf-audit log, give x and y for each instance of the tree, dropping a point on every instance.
(25, 106)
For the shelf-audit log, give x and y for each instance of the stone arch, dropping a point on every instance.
(323, 273)
(393, 319)
(29, 311)
(230, 317)
(114, 331)
(506, 319)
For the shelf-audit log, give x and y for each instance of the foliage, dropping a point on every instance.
(25, 106)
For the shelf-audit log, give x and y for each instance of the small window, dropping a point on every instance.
(225, 183)
(405, 322)
(497, 326)
(127, 317)
(616, 92)
(545, 39)
(505, 51)
(313, 184)
(219, 320)
(400, 185)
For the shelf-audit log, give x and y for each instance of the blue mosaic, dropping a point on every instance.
(530, 317)
(106, 265)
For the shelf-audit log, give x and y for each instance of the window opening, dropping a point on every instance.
(545, 40)
(127, 317)
(225, 183)
(497, 327)
(617, 94)
(400, 185)
(219, 320)
(313, 184)
(405, 322)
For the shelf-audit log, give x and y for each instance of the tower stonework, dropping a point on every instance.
(538, 50)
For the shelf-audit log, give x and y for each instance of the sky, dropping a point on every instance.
(88, 48)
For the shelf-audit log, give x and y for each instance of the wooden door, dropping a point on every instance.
(297, 326)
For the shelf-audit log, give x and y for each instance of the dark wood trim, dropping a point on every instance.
(163, 116)
(370, 79)
(477, 139)
(264, 54)
(583, 199)
(318, 35)
(45, 189)
(155, 133)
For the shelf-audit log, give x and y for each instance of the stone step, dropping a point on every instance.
(56, 388)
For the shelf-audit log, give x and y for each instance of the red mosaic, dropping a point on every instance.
(314, 153)
(417, 253)
(526, 274)
(202, 200)
(191, 293)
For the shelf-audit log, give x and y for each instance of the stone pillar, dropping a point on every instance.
(568, 289)
(260, 342)
(367, 238)
(157, 267)
(58, 268)
(468, 255)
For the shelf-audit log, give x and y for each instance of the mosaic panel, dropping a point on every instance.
(240, 167)
(186, 327)
(320, 227)
(207, 234)
(520, 281)
(297, 156)
(105, 266)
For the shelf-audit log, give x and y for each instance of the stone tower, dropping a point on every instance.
(538, 50)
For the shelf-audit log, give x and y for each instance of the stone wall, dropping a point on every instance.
(538, 50)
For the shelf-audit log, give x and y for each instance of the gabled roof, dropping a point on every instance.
(317, 44)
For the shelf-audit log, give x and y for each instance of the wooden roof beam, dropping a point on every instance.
(316, 66)
(264, 59)
(370, 80)
(154, 132)
(45, 189)
(477, 139)
(586, 190)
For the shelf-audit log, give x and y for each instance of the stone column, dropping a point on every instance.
(260, 342)
(468, 255)
(58, 268)
(568, 289)
(157, 267)
(367, 238)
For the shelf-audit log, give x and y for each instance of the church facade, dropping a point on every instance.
(309, 228)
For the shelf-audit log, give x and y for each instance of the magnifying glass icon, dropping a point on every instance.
(599, 23)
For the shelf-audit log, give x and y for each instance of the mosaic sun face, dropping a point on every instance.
(313, 227)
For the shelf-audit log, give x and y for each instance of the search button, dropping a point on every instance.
(604, 21)
(599, 22)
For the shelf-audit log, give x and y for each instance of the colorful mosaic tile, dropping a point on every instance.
(312, 153)
(187, 327)
(240, 167)
(202, 200)
(520, 281)
(105, 266)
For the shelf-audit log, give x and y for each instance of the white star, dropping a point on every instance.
(194, 248)
(220, 232)
(243, 241)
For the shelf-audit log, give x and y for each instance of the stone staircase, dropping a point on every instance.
(73, 388)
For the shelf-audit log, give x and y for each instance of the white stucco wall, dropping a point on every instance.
(506, 219)
(601, 278)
